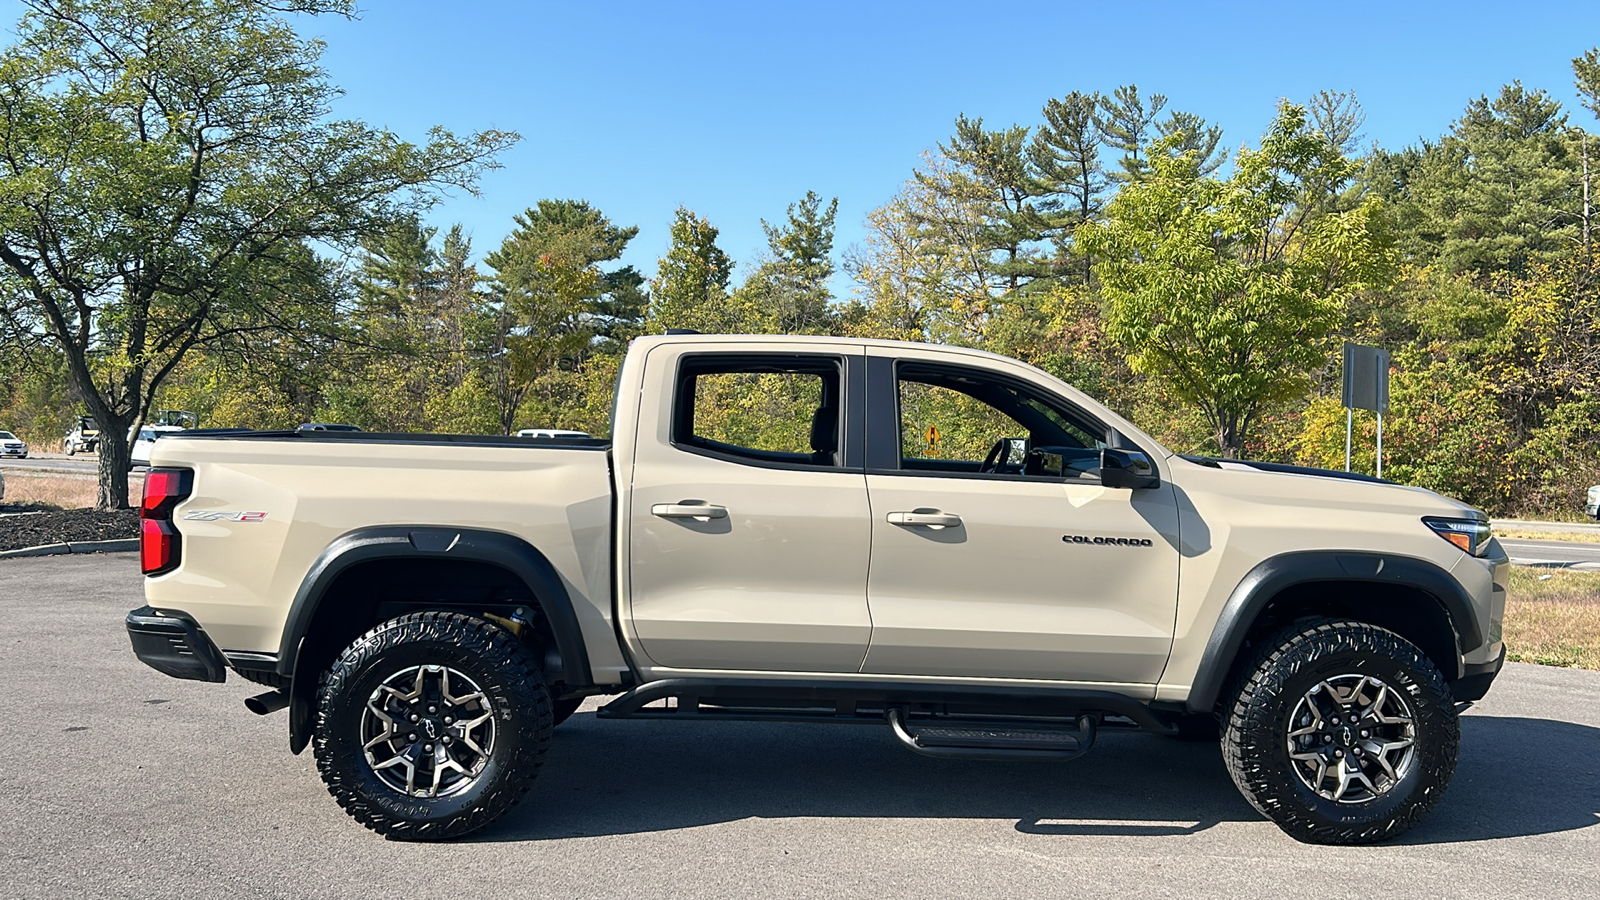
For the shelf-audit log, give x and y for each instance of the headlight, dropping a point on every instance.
(1471, 535)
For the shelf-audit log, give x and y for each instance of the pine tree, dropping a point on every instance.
(1065, 154)
(1126, 121)
(991, 183)
(1189, 133)
(690, 289)
(789, 293)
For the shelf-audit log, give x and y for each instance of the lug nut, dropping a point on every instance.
(1335, 720)
(1339, 753)
(447, 739)
(427, 748)
(412, 736)
(1363, 731)
(448, 720)
(1327, 739)
(415, 717)
(432, 709)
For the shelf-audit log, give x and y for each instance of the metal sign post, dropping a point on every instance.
(1366, 386)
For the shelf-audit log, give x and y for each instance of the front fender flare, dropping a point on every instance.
(1275, 574)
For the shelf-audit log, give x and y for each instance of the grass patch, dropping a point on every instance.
(27, 491)
(1553, 618)
(1517, 534)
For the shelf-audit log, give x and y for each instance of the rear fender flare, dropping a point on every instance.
(509, 552)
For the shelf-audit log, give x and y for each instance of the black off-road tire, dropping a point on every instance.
(562, 710)
(490, 656)
(1256, 731)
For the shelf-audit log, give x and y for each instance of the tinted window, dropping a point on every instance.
(773, 410)
(970, 422)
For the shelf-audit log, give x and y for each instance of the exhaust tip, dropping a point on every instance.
(270, 702)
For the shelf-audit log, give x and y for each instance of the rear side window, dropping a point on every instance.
(773, 410)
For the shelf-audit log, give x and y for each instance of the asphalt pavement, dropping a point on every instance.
(1554, 554)
(80, 464)
(122, 782)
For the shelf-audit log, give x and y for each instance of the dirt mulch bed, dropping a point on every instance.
(66, 525)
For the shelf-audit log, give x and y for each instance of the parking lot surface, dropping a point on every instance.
(122, 782)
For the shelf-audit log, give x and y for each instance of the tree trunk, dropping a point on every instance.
(1230, 439)
(114, 464)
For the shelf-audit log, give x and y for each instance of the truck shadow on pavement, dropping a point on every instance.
(1517, 776)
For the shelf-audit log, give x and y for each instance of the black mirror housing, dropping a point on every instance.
(1127, 469)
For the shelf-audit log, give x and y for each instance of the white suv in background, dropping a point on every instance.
(11, 445)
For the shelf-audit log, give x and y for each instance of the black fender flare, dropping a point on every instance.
(1275, 574)
(412, 542)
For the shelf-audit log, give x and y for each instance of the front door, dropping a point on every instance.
(749, 530)
(996, 552)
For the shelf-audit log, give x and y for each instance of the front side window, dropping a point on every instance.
(963, 421)
(777, 410)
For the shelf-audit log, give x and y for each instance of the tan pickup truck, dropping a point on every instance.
(945, 541)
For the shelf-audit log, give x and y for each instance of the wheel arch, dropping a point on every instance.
(1412, 597)
(492, 558)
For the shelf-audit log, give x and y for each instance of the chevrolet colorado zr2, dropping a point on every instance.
(945, 541)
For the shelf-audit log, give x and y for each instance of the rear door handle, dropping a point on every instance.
(689, 511)
(939, 520)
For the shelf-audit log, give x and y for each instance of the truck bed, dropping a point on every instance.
(240, 573)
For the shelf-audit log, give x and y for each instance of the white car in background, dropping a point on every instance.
(1591, 507)
(550, 433)
(140, 454)
(11, 445)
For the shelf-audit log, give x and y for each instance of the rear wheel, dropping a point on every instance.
(1342, 733)
(431, 725)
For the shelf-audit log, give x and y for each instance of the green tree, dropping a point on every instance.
(788, 293)
(1126, 121)
(1500, 192)
(556, 306)
(690, 289)
(155, 156)
(1065, 154)
(991, 187)
(1227, 292)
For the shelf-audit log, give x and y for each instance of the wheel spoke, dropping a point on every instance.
(407, 741)
(1347, 735)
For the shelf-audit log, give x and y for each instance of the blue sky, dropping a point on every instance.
(736, 109)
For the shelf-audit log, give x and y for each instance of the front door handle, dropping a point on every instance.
(689, 511)
(935, 519)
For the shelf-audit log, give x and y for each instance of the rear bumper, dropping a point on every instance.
(172, 642)
(1475, 681)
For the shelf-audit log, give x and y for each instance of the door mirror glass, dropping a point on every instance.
(1127, 469)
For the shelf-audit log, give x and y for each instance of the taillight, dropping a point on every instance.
(160, 546)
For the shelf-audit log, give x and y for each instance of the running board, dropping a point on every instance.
(1001, 740)
(773, 700)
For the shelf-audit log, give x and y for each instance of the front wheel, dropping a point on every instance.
(431, 725)
(1342, 733)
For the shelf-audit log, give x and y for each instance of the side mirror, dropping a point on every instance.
(1127, 469)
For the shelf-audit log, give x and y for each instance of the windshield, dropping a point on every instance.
(7, 436)
(146, 434)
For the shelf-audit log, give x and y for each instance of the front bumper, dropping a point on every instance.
(172, 642)
(1475, 680)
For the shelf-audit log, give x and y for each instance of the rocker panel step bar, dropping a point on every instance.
(1001, 740)
(796, 701)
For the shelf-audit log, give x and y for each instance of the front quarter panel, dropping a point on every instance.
(1234, 519)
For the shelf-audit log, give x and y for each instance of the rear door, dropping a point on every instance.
(996, 551)
(749, 529)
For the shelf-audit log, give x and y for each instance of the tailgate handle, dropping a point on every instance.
(689, 511)
(919, 517)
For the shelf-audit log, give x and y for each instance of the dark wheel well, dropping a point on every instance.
(378, 590)
(1407, 611)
